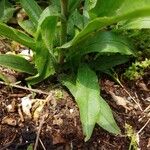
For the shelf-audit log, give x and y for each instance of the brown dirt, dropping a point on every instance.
(62, 128)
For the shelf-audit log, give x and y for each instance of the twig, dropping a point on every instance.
(20, 113)
(39, 130)
(145, 111)
(130, 95)
(24, 88)
(147, 108)
(42, 144)
(144, 126)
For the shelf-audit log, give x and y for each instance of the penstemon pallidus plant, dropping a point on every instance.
(64, 35)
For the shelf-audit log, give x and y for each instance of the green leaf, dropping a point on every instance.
(6, 10)
(118, 11)
(78, 20)
(104, 62)
(70, 83)
(17, 36)
(87, 98)
(101, 8)
(28, 26)
(30, 147)
(47, 26)
(32, 9)
(2, 8)
(44, 57)
(89, 4)
(102, 42)
(17, 63)
(8, 14)
(120, 8)
(93, 109)
(48, 29)
(73, 5)
(44, 63)
(56, 4)
(105, 119)
(48, 12)
(140, 23)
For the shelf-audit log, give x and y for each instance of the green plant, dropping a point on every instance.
(133, 136)
(136, 70)
(70, 36)
(6, 10)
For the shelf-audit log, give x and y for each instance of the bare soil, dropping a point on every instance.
(61, 129)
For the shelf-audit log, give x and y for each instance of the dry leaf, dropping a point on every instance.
(26, 104)
(9, 121)
(38, 109)
(11, 107)
(143, 87)
(121, 101)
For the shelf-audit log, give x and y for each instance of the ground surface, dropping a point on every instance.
(61, 128)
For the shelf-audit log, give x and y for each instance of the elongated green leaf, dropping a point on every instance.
(44, 58)
(33, 10)
(17, 36)
(47, 26)
(102, 42)
(30, 147)
(104, 62)
(28, 26)
(6, 10)
(73, 5)
(48, 12)
(78, 20)
(87, 97)
(44, 63)
(8, 14)
(70, 83)
(119, 10)
(105, 119)
(48, 29)
(17, 63)
(2, 8)
(140, 23)
(101, 8)
(93, 109)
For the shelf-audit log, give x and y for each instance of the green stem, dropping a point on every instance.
(63, 36)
